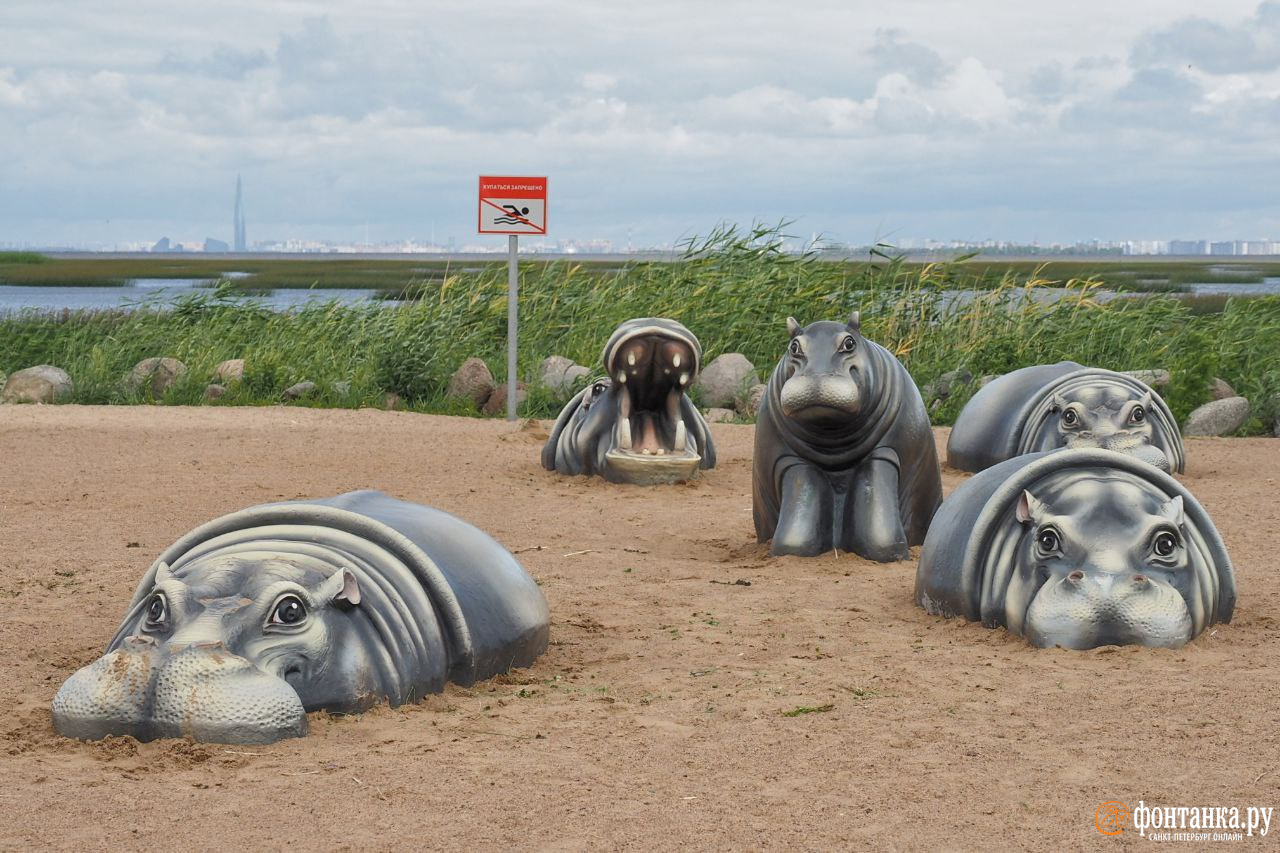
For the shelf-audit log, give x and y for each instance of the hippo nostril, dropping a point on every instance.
(1139, 579)
(1076, 576)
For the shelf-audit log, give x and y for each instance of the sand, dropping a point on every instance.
(658, 717)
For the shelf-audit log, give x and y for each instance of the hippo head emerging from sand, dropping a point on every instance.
(1078, 549)
(252, 620)
(1064, 405)
(637, 423)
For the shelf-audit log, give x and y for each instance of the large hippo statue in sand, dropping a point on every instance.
(1064, 405)
(251, 620)
(844, 454)
(637, 423)
(1077, 548)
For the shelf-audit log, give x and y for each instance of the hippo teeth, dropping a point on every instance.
(624, 433)
(682, 437)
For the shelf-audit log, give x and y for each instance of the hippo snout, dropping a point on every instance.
(201, 691)
(1091, 607)
(817, 392)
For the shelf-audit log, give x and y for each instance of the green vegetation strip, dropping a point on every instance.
(734, 289)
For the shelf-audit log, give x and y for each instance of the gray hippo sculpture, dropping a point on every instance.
(1064, 405)
(251, 620)
(844, 455)
(637, 424)
(1077, 548)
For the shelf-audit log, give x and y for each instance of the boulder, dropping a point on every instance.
(1220, 390)
(41, 384)
(941, 388)
(472, 381)
(1218, 417)
(341, 388)
(725, 379)
(1157, 378)
(497, 402)
(990, 377)
(305, 388)
(751, 402)
(390, 400)
(231, 370)
(716, 415)
(155, 375)
(213, 392)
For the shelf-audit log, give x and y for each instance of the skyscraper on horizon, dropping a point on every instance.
(237, 223)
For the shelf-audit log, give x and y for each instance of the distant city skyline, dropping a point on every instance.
(1151, 120)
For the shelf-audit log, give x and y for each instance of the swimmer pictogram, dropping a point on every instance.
(510, 205)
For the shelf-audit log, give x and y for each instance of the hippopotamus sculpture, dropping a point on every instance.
(1064, 405)
(251, 620)
(844, 455)
(1077, 548)
(637, 424)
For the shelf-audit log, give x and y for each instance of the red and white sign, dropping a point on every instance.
(513, 205)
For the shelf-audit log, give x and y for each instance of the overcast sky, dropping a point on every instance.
(998, 119)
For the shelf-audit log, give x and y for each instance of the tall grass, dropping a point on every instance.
(733, 288)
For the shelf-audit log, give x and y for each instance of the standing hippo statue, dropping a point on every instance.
(637, 424)
(844, 455)
(252, 620)
(1078, 549)
(1064, 405)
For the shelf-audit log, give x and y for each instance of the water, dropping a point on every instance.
(163, 291)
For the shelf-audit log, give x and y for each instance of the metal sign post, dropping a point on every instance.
(513, 301)
(512, 206)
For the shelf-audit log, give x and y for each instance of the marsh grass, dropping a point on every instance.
(734, 289)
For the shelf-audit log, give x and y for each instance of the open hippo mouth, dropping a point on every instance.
(651, 367)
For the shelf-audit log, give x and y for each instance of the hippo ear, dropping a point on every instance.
(793, 328)
(1173, 511)
(1147, 402)
(1059, 402)
(1028, 508)
(162, 572)
(855, 322)
(341, 586)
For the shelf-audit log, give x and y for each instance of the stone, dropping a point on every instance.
(213, 392)
(155, 375)
(1157, 378)
(725, 379)
(41, 384)
(1218, 417)
(717, 415)
(231, 370)
(341, 388)
(1220, 390)
(941, 388)
(497, 402)
(390, 400)
(751, 402)
(990, 377)
(305, 388)
(472, 381)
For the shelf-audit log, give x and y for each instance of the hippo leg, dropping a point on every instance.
(876, 530)
(804, 526)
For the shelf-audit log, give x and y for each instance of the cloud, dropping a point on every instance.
(1216, 47)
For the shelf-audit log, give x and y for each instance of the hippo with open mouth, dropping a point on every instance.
(1064, 405)
(252, 620)
(844, 455)
(1078, 549)
(637, 423)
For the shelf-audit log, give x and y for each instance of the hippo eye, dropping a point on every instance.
(597, 389)
(1164, 544)
(157, 611)
(1070, 418)
(847, 344)
(288, 611)
(1138, 415)
(1048, 541)
(794, 347)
